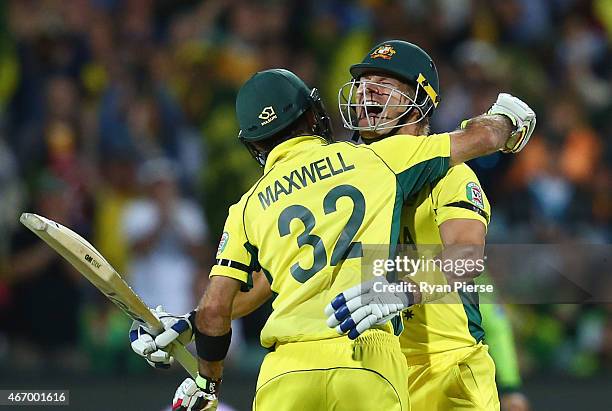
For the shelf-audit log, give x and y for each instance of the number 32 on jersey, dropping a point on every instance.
(345, 247)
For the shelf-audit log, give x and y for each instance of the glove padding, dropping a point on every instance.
(522, 117)
(363, 306)
(190, 396)
(152, 347)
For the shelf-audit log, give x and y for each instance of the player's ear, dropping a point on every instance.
(413, 115)
(423, 125)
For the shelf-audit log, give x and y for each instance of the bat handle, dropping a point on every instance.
(185, 358)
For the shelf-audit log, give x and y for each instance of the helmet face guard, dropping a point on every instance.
(257, 154)
(323, 125)
(354, 102)
(406, 62)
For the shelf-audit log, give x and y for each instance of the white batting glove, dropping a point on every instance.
(152, 347)
(365, 305)
(522, 117)
(192, 396)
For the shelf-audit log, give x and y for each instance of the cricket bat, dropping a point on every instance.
(89, 262)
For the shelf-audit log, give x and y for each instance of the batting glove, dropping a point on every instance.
(197, 396)
(364, 306)
(151, 347)
(522, 117)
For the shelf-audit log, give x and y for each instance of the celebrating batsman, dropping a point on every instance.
(303, 224)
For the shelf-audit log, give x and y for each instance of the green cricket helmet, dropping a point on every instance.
(404, 61)
(270, 102)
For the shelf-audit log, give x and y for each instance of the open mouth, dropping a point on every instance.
(373, 110)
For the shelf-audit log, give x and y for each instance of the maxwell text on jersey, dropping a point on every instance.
(300, 177)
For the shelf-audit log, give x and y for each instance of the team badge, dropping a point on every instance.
(267, 115)
(223, 242)
(385, 52)
(474, 194)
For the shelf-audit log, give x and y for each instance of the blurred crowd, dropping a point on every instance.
(117, 119)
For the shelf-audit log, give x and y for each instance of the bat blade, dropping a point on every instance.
(92, 265)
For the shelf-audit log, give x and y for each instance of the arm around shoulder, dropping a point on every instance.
(507, 126)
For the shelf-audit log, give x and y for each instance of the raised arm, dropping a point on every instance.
(422, 160)
(507, 126)
(482, 135)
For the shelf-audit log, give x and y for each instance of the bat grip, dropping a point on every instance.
(185, 358)
(176, 349)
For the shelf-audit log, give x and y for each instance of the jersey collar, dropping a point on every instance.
(290, 148)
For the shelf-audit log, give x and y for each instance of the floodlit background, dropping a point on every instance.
(114, 112)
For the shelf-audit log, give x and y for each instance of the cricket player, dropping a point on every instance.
(395, 90)
(303, 224)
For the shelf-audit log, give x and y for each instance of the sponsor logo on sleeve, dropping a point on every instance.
(474, 194)
(223, 242)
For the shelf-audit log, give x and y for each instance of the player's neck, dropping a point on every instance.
(413, 130)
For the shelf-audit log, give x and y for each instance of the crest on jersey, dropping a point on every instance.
(385, 51)
(474, 194)
(267, 115)
(223, 242)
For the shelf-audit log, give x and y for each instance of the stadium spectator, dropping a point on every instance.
(44, 288)
(168, 239)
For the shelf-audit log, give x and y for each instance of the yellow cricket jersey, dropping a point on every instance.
(304, 222)
(455, 320)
